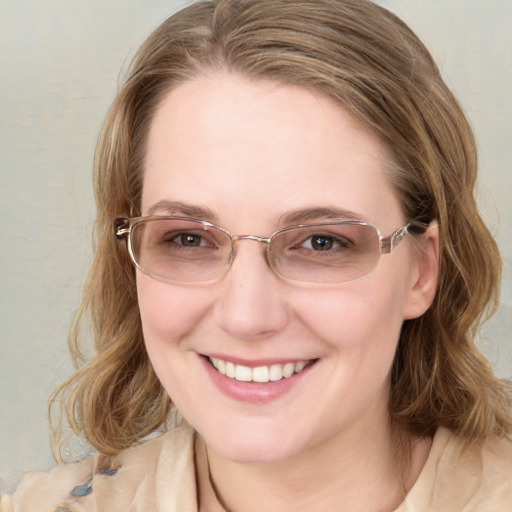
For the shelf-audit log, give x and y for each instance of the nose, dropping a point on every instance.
(252, 301)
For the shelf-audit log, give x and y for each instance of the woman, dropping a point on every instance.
(290, 255)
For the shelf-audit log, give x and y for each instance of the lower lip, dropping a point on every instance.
(254, 392)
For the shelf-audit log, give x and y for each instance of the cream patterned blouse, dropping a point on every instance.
(159, 475)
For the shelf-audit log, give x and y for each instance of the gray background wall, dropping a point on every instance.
(59, 65)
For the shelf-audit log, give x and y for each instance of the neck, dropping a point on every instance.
(352, 471)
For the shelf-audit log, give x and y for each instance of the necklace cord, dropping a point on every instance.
(211, 482)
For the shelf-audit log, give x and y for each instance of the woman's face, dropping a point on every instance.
(250, 156)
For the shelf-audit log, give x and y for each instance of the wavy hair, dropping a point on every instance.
(370, 62)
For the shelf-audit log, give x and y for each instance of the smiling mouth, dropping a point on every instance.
(262, 374)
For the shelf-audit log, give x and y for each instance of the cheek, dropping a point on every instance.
(167, 312)
(357, 317)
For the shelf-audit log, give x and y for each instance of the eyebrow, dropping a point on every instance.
(167, 207)
(302, 216)
(319, 214)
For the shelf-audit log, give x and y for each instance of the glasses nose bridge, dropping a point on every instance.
(255, 238)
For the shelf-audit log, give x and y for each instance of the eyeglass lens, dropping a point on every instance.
(189, 251)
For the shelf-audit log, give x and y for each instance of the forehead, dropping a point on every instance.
(242, 148)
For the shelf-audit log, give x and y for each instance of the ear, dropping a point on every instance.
(425, 273)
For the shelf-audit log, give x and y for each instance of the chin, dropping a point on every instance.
(254, 445)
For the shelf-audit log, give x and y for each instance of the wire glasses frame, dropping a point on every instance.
(185, 250)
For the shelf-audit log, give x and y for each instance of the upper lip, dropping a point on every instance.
(254, 363)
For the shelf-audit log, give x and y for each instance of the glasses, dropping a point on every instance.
(186, 250)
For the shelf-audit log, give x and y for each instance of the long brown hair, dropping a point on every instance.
(370, 62)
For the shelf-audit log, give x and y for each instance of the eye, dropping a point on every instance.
(189, 240)
(323, 242)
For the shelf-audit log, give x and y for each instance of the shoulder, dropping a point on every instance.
(462, 475)
(131, 480)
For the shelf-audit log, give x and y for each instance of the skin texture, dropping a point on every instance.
(250, 153)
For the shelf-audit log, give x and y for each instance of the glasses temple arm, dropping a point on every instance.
(389, 243)
(121, 227)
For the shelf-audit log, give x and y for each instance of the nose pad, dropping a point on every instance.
(251, 303)
(231, 255)
(234, 245)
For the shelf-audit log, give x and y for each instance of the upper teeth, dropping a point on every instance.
(259, 373)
